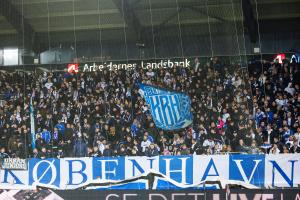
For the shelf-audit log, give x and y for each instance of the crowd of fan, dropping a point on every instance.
(245, 110)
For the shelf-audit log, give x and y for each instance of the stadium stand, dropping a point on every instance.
(149, 99)
(246, 110)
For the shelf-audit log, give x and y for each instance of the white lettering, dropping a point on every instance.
(196, 195)
(85, 68)
(296, 198)
(267, 196)
(217, 197)
(111, 195)
(177, 194)
(53, 171)
(128, 195)
(157, 195)
(103, 167)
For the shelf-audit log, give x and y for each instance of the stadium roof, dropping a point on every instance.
(59, 19)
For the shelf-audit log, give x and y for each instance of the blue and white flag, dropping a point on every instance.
(32, 126)
(169, 110)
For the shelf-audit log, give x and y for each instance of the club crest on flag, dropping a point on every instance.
(169, 110)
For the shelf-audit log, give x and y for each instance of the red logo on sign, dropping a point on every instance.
(73, 68)
(280, 57)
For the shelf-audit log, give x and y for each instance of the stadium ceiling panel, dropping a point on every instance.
(219, 10)
(58, 16)
(6, 27)
(17, 23)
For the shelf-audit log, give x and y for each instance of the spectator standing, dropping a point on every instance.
(80, 148)
(152, 151)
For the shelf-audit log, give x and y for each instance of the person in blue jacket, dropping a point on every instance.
(46, 136)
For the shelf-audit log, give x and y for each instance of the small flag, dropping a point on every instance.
(169, 110)
(32, 126)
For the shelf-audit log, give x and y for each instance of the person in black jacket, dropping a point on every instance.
(80, 148)
(96, 152)
(3, 153)
(242, 148)
(108, 152)
(295, 148)
(151, 151)
(195, 148)
(122, 151)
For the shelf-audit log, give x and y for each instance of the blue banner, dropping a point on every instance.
(167, 172)
(169, 110)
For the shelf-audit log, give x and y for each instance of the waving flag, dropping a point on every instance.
(169, 110)
(32, 127)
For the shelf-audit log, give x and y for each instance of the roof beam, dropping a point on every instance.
(130, 18)
(32, 2)
(71, 13)
(135, 3)
(250, 22)
(204, 12)
(2, 18)
(8, 31)
(18, 22)
(162, 25)
(84, 27)
(169, 18)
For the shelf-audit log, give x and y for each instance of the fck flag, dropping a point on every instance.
(170, 110)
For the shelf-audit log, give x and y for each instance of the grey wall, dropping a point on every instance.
(196, 46)
(171, 47)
